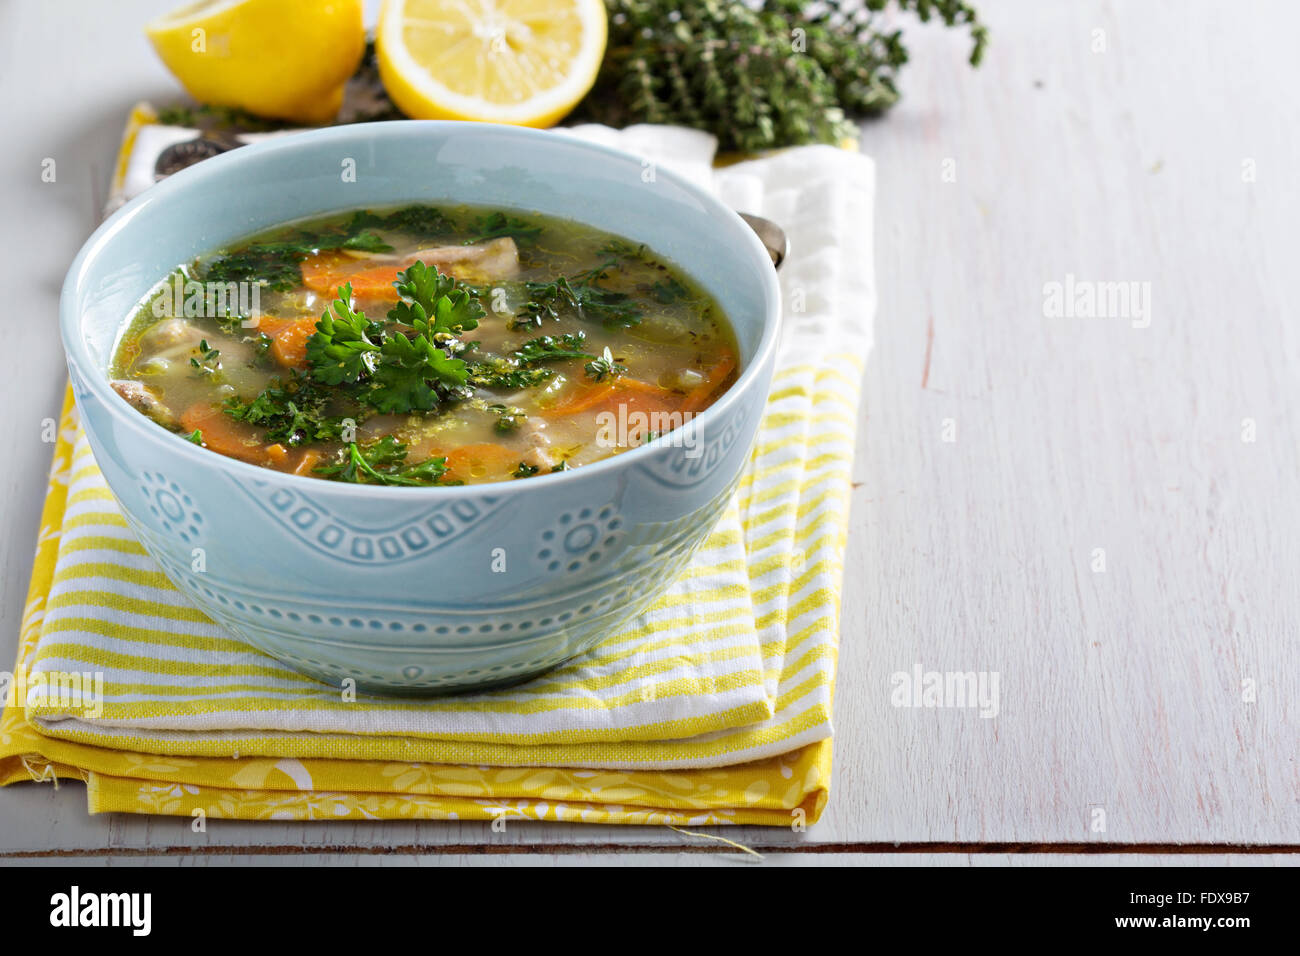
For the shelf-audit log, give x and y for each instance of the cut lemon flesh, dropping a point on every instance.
(526, 62)
(287, 59)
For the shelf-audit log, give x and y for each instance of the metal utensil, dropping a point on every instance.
(771, 235)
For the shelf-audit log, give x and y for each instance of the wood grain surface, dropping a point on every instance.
(1101, 511)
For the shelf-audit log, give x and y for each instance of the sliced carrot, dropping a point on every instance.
(320, 271)
(326, 271)
(480, 461)
(700, 395)
(587, 398)
(600, 395)
(272, 325)
(289, 344)
(225, 435)
(307, 460)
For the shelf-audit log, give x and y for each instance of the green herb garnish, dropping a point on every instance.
(526, 470)
(547, 300)
(423, 222)
(505, 375)
(407, 365)
(382, 463)
(553, 348)
(509, 418)
(605, 367)
(209, 359)
(497, 225)
(292, 413)
(346, 344)
(278, 262)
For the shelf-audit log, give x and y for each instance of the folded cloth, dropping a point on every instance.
(734, 665)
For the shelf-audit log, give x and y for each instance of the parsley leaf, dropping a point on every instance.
(382, 463)
(409, 365)
(402, 379)
(432, 303)
(343, 348)
(525, 470)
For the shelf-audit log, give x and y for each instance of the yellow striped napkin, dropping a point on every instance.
(733, 666)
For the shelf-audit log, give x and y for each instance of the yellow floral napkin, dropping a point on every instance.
(713, 707)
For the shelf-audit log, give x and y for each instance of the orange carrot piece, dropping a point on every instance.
(307, 460)
(225, 435)
(289, 344)
(700, 395)
(599, 395)
(326, 271)
(485, 457)
(271, 325)
(589, 397)
(320, 271)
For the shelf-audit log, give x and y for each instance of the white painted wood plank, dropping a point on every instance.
(581, 858)
(1120, 690)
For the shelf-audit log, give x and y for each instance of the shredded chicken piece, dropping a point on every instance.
(538, 453)
(169, 334)
(143, 399)
(482, 262)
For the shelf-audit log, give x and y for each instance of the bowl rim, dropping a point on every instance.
(194, 177)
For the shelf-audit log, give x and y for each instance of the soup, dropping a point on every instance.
(424, 346)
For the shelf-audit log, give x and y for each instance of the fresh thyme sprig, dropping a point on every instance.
(763, 74)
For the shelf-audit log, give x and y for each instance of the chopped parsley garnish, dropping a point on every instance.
(293, 413)
(382, 462)
(526, 470)
(551, 348)
(278, 263)
(195, 436)
(509, 418)
(581, 294)
(506, 375)
(424, 222)
(497, 225)
(407, 365)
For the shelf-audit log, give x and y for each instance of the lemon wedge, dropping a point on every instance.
(287, 59)
(525, 62)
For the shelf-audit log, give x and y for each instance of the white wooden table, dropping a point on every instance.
(1149, 142)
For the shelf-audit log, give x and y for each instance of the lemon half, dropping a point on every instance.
(287, 59)
(525, 62)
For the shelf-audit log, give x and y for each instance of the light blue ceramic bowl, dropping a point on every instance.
(395, 587)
